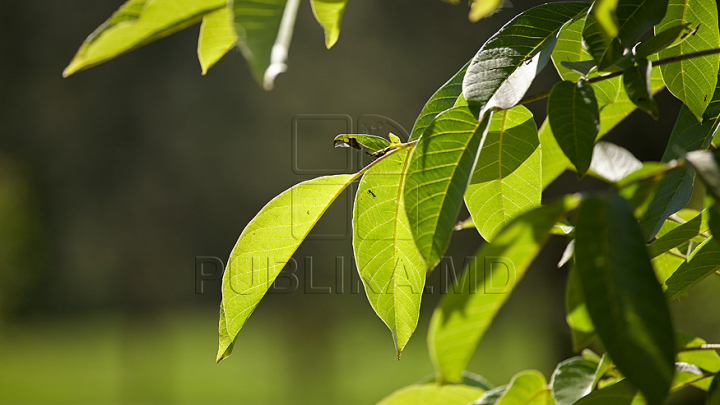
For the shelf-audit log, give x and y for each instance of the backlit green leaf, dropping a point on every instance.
(620, 393)
(575, 121)
(526, 388)
(264, 29)
(707, 360)
(480, 9)
(674, 190)
(491, 397)
(390, 266)
(466, 311)
(703, 262)
(137, 23)
(636, 79)
(623, 297)
(267, 243)
(217, 37)
(554, 161)
(438, 174)
(692, 80)
(577, 317)
(707, 166)
(329, 14)
(443, 99)
(634, 18)
(604, 11)
(506, 181)
(573, 379)
(433, 394)
(680, 235)
(505, 66)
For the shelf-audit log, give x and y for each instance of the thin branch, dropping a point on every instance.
(679, 58)
(706, 346)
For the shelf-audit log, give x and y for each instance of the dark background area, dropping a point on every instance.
(112, 181)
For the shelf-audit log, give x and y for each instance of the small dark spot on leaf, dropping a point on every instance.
(371, 193)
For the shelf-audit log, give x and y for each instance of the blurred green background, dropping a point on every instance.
(114, 180)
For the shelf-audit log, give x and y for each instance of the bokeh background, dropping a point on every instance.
(112, 181)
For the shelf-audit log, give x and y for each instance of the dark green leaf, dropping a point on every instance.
(637, 85)
(623, 296)
(466, 311)
(604, 48)
(582, 67)
(443, 99)
(680, 235)
(437, 176)
(714, 392)
(575, 121)
(506, 180)
(505, 66)
(264, 29)
(620, 393)
(703, 262)
(692, 80)
(358, 141)
(674, 190)
(578, 319)
(714, 221)
(492, 396)
(573, 379)
(668, 36)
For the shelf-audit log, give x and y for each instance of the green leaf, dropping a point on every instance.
(480, 9)
(217, 37)
(526, 388)
(707, 360)
(714, 392)
(506, 181)
(433, 394)
(443, 99)
(578, 319)
(573, 379)
(623, 296)
(665, 265)
(663, 39)
(137, 23)
(389, 264)
(639, 186)
(267, 243)
(714, 221)
(569, 49)
(438, 174)
(634, 18)
(637, 85)
(701, 263)
(329, 14)
(554, 161)
(612, 162)
(491, 397)
(264, 29)
(692, 80)
(505, 66)
(680, 235)
(674, 190)
(621, 107)
(466, 311)
(357, 141)
(620, 393)
(575, 120)
(583, 67)
(707, 167)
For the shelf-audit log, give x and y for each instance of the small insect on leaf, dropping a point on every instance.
(371, 193)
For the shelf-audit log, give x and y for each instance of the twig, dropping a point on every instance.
(679, 58)
(706, 346)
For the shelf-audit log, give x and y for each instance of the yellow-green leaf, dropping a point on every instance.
(217, 37)
(329, 14)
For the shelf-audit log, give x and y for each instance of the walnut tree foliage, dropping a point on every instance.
(632, 248)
